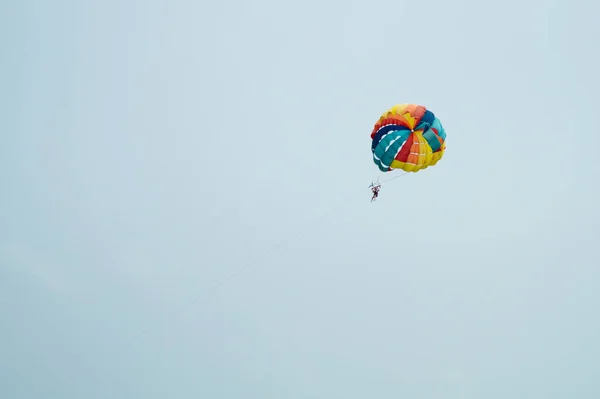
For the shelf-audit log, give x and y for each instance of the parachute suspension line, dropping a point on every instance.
(393, 178)
(380, 183)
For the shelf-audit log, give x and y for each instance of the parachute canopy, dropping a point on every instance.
(407, 137)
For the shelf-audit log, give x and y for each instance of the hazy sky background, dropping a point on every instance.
(150, 149)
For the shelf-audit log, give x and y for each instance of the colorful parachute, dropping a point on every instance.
(407, 137)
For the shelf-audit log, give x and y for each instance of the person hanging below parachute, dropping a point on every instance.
(375, 190)
(408, 137)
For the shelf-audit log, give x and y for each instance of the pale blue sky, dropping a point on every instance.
(150, 149)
